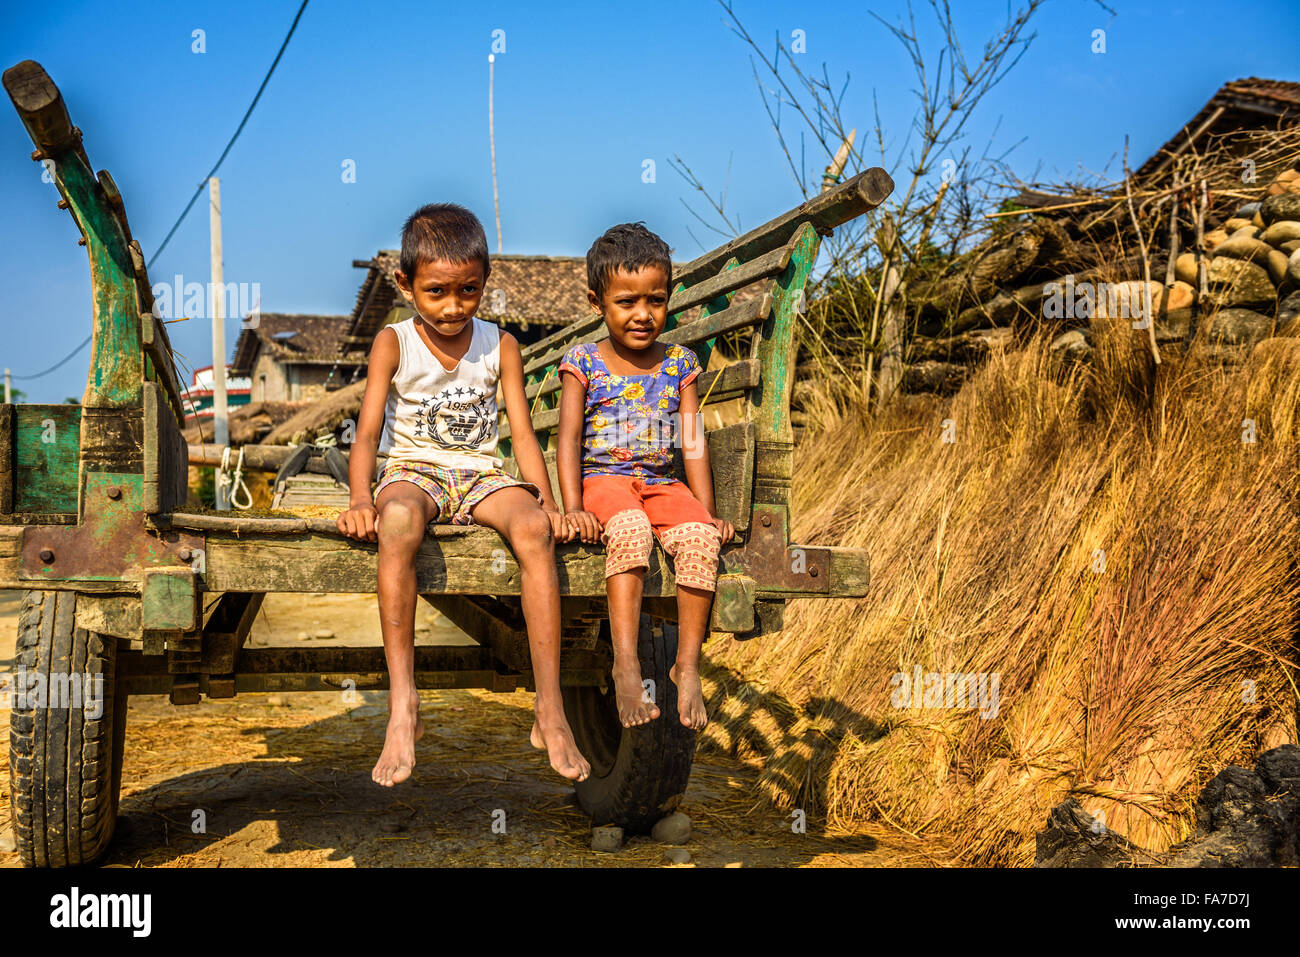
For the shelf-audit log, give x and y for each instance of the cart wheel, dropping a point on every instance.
(639, 774)
(65, 750)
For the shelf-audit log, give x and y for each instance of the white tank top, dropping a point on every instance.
(440, 417)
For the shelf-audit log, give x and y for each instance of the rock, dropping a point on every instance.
(1246, 232)
(607, 838)
(1247, 818)
(1235, 282)
(323, 633)
(1293, 268)
(673, 829)
(1216, 236)
(1287, 181)
(1288, 315)
(1185, 268)
(1290, 246)
(1072, 345)
(1280, 232)
(1258, 220)
(1276, 264)
(1234, 224)
(7, 845)
(1244, 247)
(1246, 211)
(1074, 838)
(1281, 207)
(1237, 327)
(1244, 818)
(1181, 295)
(678, 855)
(303, 636)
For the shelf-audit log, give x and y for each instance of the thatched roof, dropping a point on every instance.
(1250, 103)
(324, 415)
(290, 339)
(1239, 108)
(247, 423)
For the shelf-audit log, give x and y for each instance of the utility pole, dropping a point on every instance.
(220, 429)
(492, 144)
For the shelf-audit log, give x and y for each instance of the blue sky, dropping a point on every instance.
(585, 92)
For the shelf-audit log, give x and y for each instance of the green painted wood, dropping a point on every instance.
(116, 364)
(46, 448)
(776, 347)
(714, 305)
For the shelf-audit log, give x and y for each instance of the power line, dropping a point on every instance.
(60, 363)
(222, 157)
(190, 205)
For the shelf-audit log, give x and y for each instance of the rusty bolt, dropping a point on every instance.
(47, 556)
(114, 493)
(38, 155)
(81, 241)
(767, 521)
(813, 571)
(184, 554)
(62, 204)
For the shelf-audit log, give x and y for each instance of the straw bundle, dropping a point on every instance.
(1105, 541)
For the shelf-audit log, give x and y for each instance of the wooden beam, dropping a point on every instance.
(827, 210)
(729, 280)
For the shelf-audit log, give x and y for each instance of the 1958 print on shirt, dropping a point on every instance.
(456, 418)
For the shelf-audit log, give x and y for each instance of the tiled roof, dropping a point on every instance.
(290, 339)
(546, 290)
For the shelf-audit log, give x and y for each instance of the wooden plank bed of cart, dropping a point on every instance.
(125, 587)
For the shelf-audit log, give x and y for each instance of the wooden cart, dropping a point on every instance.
(125, 587)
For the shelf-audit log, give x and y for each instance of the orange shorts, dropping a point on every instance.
(666, 504)
(635, 513)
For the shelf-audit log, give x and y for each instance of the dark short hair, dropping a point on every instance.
(629, 247)
(443, 231)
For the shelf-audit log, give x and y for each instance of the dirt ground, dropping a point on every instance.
(283, 780)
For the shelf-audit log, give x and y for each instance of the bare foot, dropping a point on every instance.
(405, 727)
(635, 705)
(556, 739)
(690, 697)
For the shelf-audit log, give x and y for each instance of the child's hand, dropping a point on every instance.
(559, 527)
(585, 525)
(725, 529)
(360, 522)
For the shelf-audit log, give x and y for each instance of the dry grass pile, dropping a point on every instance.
(1106, 541)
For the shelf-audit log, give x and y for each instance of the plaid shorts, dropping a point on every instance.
(454, 491)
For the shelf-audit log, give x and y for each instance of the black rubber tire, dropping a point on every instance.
(65, 766)
(640, 774)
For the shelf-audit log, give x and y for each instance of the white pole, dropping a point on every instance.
(492, 144)
(220, 430)
(7, 393)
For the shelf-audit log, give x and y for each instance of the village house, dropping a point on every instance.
(294, 358)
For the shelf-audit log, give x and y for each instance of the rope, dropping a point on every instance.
(234, 481)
